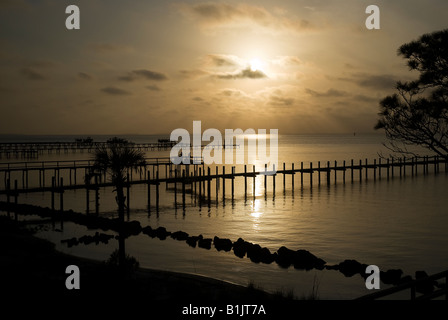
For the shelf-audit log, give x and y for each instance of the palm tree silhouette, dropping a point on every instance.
(116, 159)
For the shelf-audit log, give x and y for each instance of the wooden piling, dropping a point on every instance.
(61, 195)
(311, 174)
(128, 201)
(233, 182)
(208, 186)
(97, 196)
(253, 181)
(148, 176)
(318, 172)
(292, 175)
(183, 188)
(360, 170)
(223, 183)
(245, 182)
(335, 172)
(53, 183)
(301, 174)
(352, 169)
(328, 173)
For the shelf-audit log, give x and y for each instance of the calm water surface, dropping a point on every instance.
(396, 223)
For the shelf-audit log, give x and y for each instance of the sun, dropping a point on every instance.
(255, 64)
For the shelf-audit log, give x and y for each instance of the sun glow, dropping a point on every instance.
(255, 64)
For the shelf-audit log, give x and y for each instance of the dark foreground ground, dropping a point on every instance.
(32, 281)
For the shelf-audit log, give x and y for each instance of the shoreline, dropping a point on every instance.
(32, 266)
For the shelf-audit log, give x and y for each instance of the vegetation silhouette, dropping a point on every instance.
(116, 159)
(418, 113)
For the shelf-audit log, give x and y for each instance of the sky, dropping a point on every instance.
(149, 67)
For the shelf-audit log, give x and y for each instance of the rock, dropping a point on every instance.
(205, 243)
(391, 276)
(222, 244)
(192, 241)
(240, 247)
(149, 231)
(161, 233)
(351, 267)
(179, 235)
(301, 259)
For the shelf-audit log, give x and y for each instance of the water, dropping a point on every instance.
(398, 223)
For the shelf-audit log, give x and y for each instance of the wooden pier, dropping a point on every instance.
(33, 149)
(197, 178)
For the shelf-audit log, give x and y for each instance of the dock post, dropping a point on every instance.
(53, 182)
(301, 174)
(392, 167)
(183, 188)
(292, 175)
(343, 174)
(253, 181)
(200, 184)
(265, 178)
(157, 189)
(273, 179)
(97, 196)
(284, 177)
(223, 183)
(128, 192)
(335, 172)
(404, 166)
(148, 176)
(366, 170)
(379, 168)
(175, 188)
(233, 182)
(328, 173)
(216, 183)
(208, 186)
(401, 167)
(87, 194)
(318, 172)
(352, 169)
(311, 174)
(245, 182)
(374, 169)
(388, 168)
(360, 170)
(61, 195)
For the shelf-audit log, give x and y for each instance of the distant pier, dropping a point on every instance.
(197, 178)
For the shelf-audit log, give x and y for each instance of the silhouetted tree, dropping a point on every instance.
(418, 113)
(116, 159)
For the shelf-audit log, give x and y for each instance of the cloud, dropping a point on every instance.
(150, 75)
(243, 74)
(281, 101)
(222, 60)
(32, 74)
(115, 91)
(212, 15)
(145, 74)
(286, 61)
(84, 76)
(192, 74)
(373, 81)
(109, 48)
(330, 93)
(153, 88)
